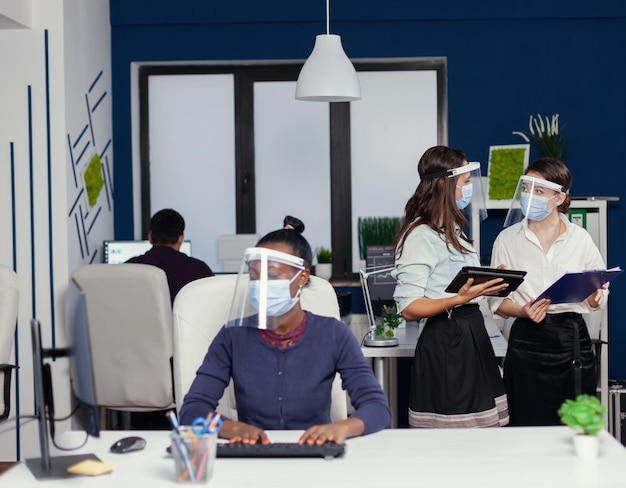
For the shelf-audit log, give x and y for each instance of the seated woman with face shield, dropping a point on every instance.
(282, 359)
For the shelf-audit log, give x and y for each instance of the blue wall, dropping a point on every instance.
(505, 62)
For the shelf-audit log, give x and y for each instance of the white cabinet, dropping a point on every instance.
(596, 225)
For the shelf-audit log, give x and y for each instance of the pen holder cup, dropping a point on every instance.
(194, 455)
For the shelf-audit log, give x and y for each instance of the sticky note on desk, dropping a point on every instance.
(90, 467)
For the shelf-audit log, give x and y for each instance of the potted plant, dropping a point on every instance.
(376, 231)
(546, 135)
(324, 266)
(388, 322)
(585, 416)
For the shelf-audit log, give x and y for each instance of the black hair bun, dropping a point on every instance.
(294, 224)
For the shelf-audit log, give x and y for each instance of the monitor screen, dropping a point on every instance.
(118, 252)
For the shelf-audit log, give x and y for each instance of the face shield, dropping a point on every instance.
(534, 199)
(469, 185)
(266, 288)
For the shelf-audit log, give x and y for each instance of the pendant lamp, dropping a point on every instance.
(328, 75)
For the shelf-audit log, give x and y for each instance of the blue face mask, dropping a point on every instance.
(467, 196)
(279, 300)
(538, 209)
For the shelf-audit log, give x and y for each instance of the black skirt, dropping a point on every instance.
(539, 369)
(455, 378)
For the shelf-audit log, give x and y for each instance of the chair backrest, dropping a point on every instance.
(9, 297)
(130, 326)
(201, 309)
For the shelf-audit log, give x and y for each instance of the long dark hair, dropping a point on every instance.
(291, 234)
(434, 202)
(555, 171)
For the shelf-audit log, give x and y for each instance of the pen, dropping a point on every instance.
(214, 423)
(180, 445)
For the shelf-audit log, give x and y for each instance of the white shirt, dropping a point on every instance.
(517, 247)
(426, 266)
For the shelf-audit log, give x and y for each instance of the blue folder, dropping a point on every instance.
(576, 287)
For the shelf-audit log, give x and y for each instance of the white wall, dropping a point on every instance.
(15, 14)
(56, 61)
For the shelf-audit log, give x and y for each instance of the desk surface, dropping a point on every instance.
(498, 457)
(407, 339)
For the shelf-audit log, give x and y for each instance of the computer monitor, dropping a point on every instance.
(118, 252)
(83, 390)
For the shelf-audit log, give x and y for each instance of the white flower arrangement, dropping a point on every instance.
(546, 135)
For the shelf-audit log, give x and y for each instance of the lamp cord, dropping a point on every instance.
(327, 17)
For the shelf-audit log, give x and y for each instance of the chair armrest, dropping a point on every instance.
(7, 369)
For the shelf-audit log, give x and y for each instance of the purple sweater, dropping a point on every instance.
(287, 389)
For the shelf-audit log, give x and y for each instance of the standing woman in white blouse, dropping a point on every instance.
(549, 356)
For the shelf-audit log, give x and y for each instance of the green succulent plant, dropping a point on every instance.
(585, 414)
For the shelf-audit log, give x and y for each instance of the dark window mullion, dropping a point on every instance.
(340, 190)
(144, 148)
(245, 180)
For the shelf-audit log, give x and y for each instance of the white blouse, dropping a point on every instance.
(517, 247)
(426, 266)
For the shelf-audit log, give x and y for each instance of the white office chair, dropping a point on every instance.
(201, 309)
(130, 326)
(9, 297)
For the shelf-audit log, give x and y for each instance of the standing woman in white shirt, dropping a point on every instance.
(455, 379)
(549, 356)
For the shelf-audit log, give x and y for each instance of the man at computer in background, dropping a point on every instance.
(166, 235)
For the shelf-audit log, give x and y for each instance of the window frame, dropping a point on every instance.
(245, 74)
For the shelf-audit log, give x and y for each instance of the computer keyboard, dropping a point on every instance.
(327, 450)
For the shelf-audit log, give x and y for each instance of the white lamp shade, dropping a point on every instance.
(328, 74)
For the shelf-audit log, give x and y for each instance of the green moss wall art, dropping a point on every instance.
(93, 179)
(506, 165)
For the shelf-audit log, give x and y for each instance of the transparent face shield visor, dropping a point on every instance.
(266, 288)
(534, 199)
(470, 183)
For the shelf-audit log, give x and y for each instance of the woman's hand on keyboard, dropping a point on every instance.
(335, 432)
(242, 432)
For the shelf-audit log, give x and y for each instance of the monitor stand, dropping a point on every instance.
(57, 466)
(373, 340)
(46, 466)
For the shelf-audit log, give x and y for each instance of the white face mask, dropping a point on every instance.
(279, 300)
(465, 200)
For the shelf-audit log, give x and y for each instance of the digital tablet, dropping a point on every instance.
(481, 274)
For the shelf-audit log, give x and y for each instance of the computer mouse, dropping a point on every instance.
(128, 444)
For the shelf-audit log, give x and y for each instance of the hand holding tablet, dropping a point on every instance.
(482, 274)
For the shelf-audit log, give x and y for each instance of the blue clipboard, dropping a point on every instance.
(576, 287)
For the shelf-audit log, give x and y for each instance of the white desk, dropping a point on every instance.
(385, 364)
(490, 458)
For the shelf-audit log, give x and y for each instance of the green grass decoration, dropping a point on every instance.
(376, 231)
(505, 167)
(93, 180)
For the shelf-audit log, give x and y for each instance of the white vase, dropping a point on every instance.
(587, 446)
(324, 270)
